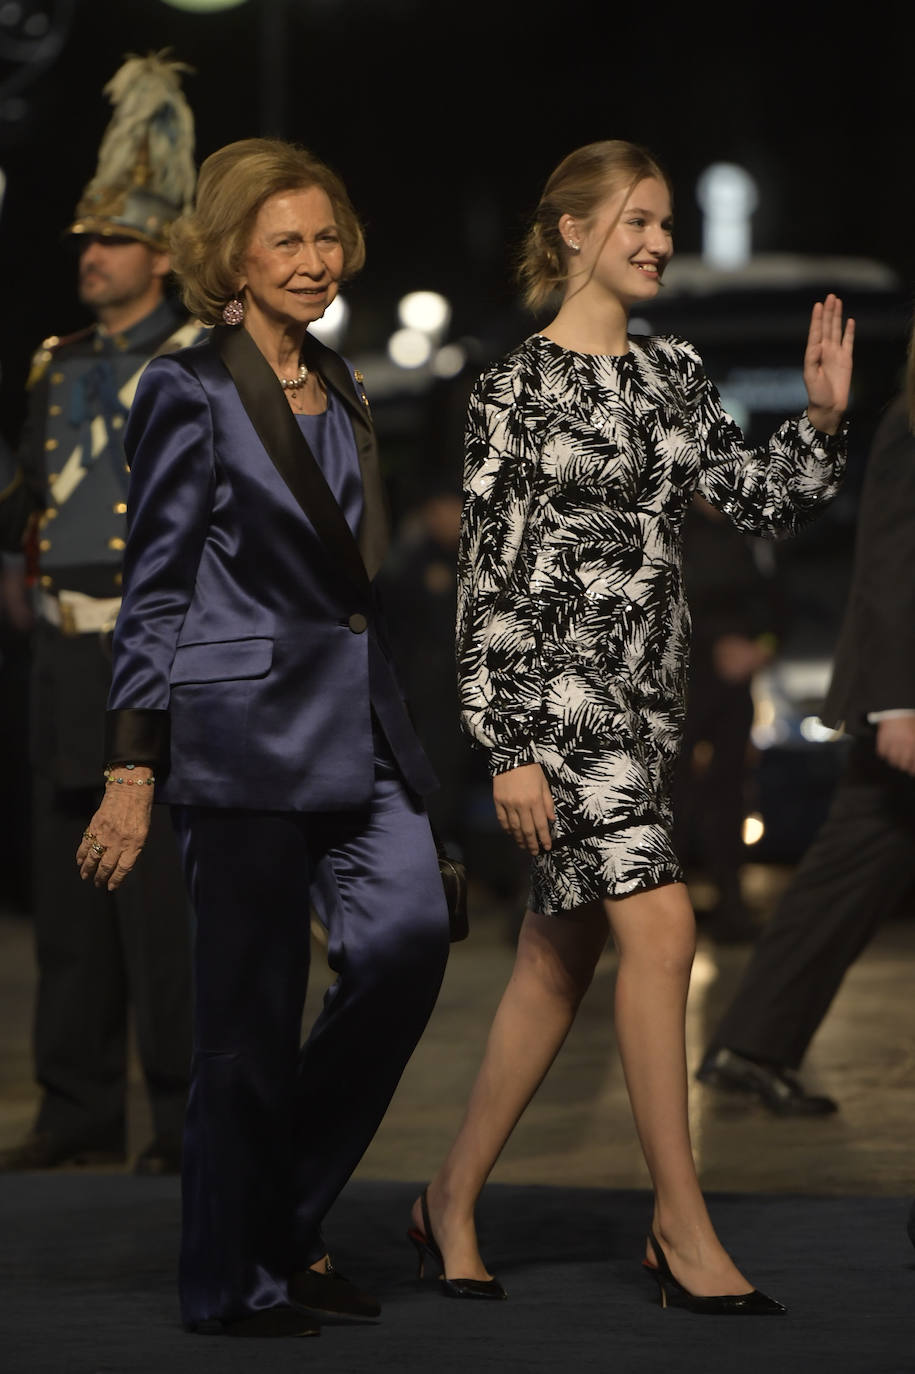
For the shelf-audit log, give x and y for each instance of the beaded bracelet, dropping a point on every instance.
(131, 782)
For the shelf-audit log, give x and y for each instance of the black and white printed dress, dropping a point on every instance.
(573, 628)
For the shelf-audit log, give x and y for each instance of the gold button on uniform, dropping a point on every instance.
(117, 422)
(51, 444)
(44, 545)
(358, 623)
(55, 410)
(120, 508)
(57, 378)
(116, 543)
(47, 581)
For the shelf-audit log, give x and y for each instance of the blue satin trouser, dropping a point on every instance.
(274, 1129)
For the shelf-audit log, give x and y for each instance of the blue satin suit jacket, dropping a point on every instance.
(248, 659)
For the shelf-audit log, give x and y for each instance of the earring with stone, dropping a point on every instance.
(233, 312)
(575, 247)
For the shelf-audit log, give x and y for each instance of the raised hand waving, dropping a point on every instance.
(827, 364)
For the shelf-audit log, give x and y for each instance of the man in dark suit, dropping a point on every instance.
(863, 860)
(98, 953)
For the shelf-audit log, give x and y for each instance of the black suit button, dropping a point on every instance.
(358, 623)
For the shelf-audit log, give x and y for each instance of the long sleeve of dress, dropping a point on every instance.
(773, 490)
(498, 661)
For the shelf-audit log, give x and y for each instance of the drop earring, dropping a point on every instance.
(233, 312)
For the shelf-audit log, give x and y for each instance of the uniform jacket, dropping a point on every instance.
(874, 667)
(67, 496)
(248, 656)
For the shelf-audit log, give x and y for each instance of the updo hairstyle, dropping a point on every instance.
(208, 244)
(578, 187)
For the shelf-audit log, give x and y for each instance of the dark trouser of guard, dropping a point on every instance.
(98, 954)
(854, 874)
(274, 1130)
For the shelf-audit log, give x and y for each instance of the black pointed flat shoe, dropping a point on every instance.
(671, 1293)
(330, 1297)
(427, 1248)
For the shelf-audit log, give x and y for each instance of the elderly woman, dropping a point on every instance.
(252, 691)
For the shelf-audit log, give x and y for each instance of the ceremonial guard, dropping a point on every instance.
(100, 953)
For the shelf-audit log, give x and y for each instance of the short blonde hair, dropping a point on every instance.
(578, 186)
(208, 244)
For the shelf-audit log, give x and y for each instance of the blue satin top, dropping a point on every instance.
(330, 438)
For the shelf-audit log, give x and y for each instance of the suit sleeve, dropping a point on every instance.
(170, 450)
(773, 490)
(499, 675)
(883, 584)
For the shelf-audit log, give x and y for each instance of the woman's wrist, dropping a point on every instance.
(129, 775)
(825, 418)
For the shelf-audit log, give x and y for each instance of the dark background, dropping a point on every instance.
(445, 119)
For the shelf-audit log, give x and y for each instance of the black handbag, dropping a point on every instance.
(454, 881)
(271, 417)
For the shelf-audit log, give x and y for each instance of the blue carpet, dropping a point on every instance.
(87, 1264)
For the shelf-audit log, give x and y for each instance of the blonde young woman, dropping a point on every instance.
(584, 448)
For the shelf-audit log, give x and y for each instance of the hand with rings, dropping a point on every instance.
(113, 839)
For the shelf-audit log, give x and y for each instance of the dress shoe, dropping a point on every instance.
(330, 1297)
(41, 1150)
(671, 1293)
(426, 1247)
(161, 1156)
(272, 1321)
(777, 1088)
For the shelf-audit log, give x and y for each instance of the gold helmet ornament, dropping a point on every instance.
(145, 175)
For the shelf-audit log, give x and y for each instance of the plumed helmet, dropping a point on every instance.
(145, 175)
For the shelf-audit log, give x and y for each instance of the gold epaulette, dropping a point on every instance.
(43, 355)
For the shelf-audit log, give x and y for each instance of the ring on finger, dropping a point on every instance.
(98, 849)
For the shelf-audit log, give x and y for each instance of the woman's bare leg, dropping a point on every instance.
(655, 935)
(553, 969)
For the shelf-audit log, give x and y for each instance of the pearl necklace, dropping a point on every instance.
(293, 383)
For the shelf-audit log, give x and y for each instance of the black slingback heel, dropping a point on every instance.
(427, 1248)
(672, 1293)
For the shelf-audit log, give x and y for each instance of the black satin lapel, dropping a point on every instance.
(375, 525)
(288, 448)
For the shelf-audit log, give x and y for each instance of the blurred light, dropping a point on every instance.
(812, 728)
(735, 407)
(426, 311)
(753, 828)
(331, 327)
(704, 970)
(204, 6)
(728, 196)
(449, 360)
(409, 348)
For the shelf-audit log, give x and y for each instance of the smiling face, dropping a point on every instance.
(626, 246)
(294, 259)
